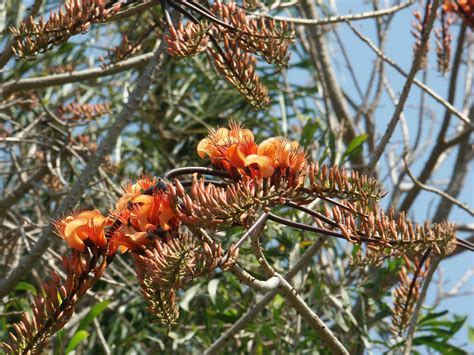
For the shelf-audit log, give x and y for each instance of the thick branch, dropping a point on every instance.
(60, 79)
(329, 340)
(250, 315)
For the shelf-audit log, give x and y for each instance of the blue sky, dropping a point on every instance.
(399, 48)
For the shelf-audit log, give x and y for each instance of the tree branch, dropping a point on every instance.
(342, 18)
(420, 53)
(436, 191)
(418, 83)
(250, 315)
(65, 78)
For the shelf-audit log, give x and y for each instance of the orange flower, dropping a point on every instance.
(263, 164)
(277, 153)
(127, 238)
(228, 148)
(87, 225)
(147, 214)
(134, 190)
(234, 150)
(152, 211)
(463, 8)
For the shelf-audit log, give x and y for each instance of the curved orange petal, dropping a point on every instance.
(73, 225)
(268, 146)
(145, 199)
(165, 216)
(89, 214)
(98, 236)
(263, 162)
(203, 148)
(139, 238)
(75, 242)
(235, 156)
(247, 134)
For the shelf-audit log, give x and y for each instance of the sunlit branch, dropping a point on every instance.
(195, 170)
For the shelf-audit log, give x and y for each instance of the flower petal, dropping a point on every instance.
(235, 156)
(72, 226)
(203, 148)
(263, 162)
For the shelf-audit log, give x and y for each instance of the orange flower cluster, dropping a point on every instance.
(83, 227)
(463, 8)
(141, 217)
(235, 151)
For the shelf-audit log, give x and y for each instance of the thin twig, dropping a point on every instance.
(336, 19)
(417, 82)
(419, 54)
(435, 190)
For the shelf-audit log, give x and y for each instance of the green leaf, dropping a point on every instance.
(76, 340)
(354, 147)
(470, 334)
(92, 314)
(307, 134)
(188, 296)
(426, 319)
(441, 346)
(25, 286)
(212, 289)
(458, 323)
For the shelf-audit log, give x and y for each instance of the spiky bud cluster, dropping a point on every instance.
(188, 40)
(264, 37)
(54, 305)
(443, 43)
(333, 181)
(241, 38)
(388, 235)
(33, 37)
(210, 206)
(168, 265)
(76, 111)
(239, 69)
(406, 294)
